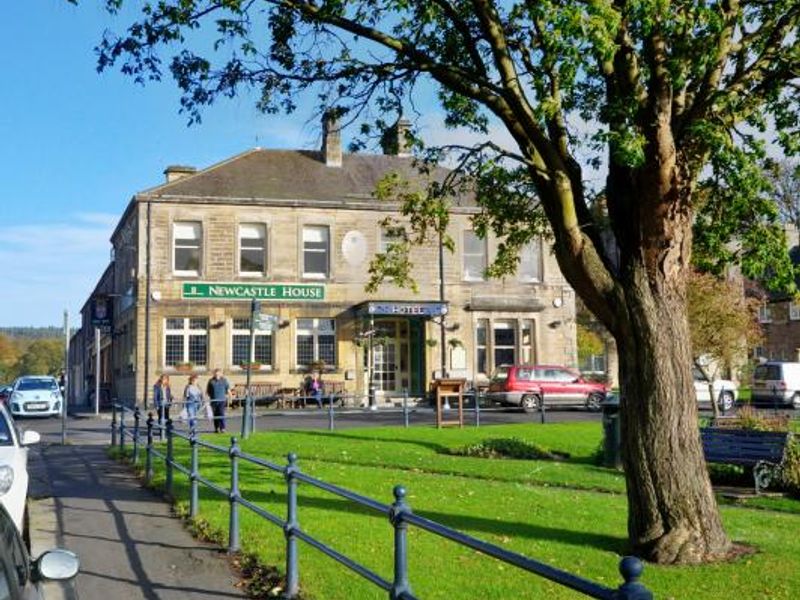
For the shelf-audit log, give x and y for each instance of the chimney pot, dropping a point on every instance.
(175, 172)
(394, 140)
(331, 140)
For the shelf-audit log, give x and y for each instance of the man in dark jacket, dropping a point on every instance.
(218, 390)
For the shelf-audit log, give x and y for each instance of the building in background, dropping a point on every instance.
(296, 230)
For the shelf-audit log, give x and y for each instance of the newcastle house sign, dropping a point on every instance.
(277, 292)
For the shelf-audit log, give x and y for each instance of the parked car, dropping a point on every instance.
(725, 392)
(527, 385)
(5, 392)
(777, 383)
(14, 466)
(19, 575)
(34, 396)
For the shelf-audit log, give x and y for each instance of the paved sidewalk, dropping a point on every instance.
(129, 544)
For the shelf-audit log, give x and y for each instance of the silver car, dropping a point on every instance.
(35, 396)
(19, 575)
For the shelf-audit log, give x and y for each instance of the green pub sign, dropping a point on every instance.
(277, 292)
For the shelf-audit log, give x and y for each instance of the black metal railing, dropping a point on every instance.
(399, 514)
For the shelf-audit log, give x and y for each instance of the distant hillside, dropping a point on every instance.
(32, 333)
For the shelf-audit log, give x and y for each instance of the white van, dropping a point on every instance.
(777, 383)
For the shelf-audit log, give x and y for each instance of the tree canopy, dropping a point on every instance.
(676, 101)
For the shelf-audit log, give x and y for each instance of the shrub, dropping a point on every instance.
(790, 473)
(508, 448)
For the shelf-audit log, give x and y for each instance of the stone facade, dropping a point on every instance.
(487, 321)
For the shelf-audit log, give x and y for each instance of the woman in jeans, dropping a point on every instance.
(162, 398)
(193, 396)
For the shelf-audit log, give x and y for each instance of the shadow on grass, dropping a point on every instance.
(474, 525)
(438, 448)
(591, 460)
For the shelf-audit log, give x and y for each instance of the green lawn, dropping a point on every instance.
(570, 514)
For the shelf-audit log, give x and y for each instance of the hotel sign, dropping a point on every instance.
(408, 309)
(276, 292)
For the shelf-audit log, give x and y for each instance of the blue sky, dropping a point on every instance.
(77, 145)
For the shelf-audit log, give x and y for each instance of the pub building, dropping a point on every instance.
(295, 230)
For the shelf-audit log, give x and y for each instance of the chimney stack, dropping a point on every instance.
(394, 140)
(331, 140)
(175, 172)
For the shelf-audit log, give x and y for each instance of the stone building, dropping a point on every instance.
(296, 231)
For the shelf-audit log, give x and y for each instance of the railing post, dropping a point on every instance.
(405, 408)
(122, 430)
(194, 497)
(400, 509)
(136, 417)
(168, 460)
(477, 407)
(542, 410)
(148, 459)
(631, 569)
(330, 412)
(292, 576)
(113, 424)
(246, 410)
(233, 524)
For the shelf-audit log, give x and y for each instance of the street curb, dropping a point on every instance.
(43, 527)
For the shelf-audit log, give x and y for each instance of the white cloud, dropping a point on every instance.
(49, 267)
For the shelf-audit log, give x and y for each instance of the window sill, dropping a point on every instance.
(306, 371)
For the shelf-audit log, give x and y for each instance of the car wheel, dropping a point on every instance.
(530, 402)
(594, 402)
(725, 401)
(796, 400)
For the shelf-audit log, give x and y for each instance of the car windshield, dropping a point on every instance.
(36, 384)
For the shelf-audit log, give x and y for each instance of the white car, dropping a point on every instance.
(725, 392)
(14, 466)
(34, 396)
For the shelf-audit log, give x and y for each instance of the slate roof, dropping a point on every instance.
(292, 175)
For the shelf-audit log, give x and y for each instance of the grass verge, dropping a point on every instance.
(568, 513)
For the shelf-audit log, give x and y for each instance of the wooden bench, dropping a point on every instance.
(332, 391)
(761, 450)
(262, 391)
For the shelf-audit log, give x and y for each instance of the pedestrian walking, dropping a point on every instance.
(193, 397)
(315, 388)
(218, 390)
(162, 398)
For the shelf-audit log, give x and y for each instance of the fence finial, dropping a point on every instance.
(631, 569)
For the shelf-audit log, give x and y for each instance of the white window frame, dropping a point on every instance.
(175, 226)
(388, 236)
(262, 229)
(794, 311)
(303, 250)
(245, 331)
(532, 249)
(186, 331)
(483, 256)
(318, 327)
(764, 314)
(510, 324)
(485, 325)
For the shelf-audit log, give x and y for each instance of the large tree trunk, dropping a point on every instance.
(672, 513)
